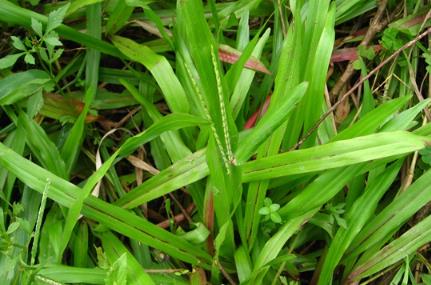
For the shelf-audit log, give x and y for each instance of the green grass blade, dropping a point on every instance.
(186, 171)
(321, 190)
(94, 28)
(118, 18)
(42, 147)
(394, 215)
(320, 27)
(172, 140)
(114, 248)
(356, 218)
(69, 274)
(159, 68)
(243, 85)
(79, 4)
(332, 155)
(80, 246)
(242, 58)
(167, 123)
(118, 219)
(140, 229)
(243, 264)
(20, 85)
(275, 244)
(347, 10)
(203, 51)
(404, 120)
(270, 122)
(396, 251)
(71, 148)
(16, 141)
(373, 119)
(173, 121)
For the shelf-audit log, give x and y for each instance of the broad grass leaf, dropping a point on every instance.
(170, 122)
(79, 4)
(20, 85)
(361, 211)
(394, 215)
(42, 147)
(118, 219)
(397, 250)
(159, 68)
(186, 171)
(374, 119)
(333, 155)
(269, 123)
(69, 274)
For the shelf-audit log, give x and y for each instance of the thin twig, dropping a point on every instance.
(165, 271)
(130, 114)
(375, 26)
(415, 85)
(360, 82)
(177, 218)
(411, 169)
(184, 211)
(225, 274)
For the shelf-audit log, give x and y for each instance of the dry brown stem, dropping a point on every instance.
(376, 26)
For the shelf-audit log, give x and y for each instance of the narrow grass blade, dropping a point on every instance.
(332, 155)
(69, 274)
(404, 120)
(168, 123)
(373, 119)
(159, 68)
(20, 85)
(172, 140)
(243, 85)
(182, 173)
(118, 17)
(394, 252)
(322, 41)
(356, 218)
(80, 246)
(79, 4)
(243, 264)
(92, 60)
(270, 122)
(71, 148)
(203, 51)
(15, 141)
(321, 190)
(394, 215)
(42, 147)
(114, 248)
(118, 219)
(275, 244)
